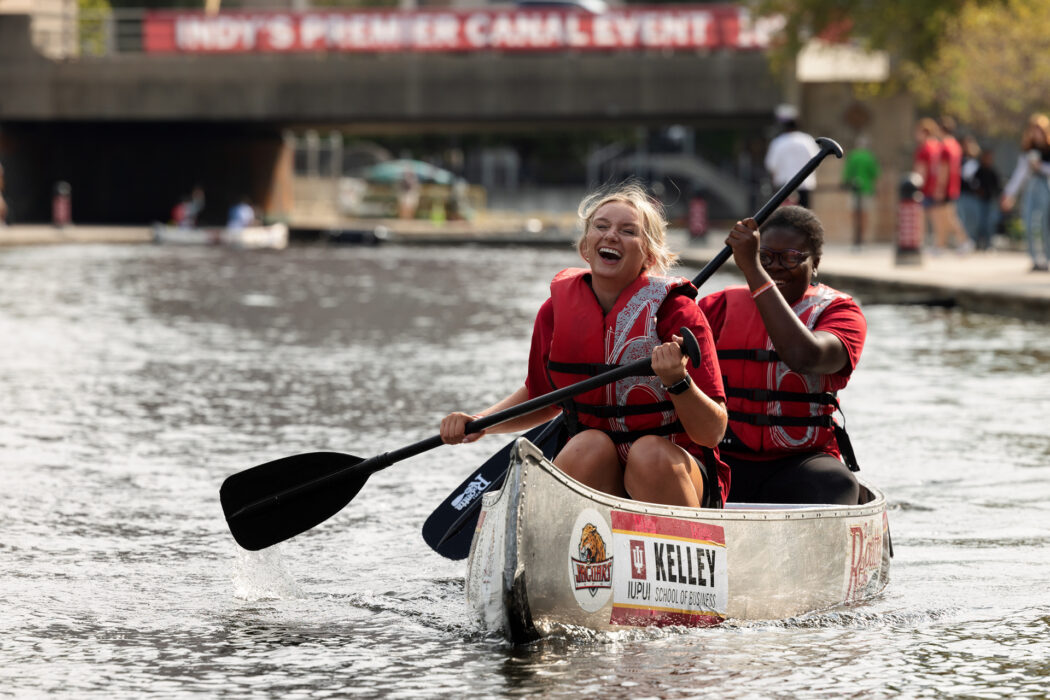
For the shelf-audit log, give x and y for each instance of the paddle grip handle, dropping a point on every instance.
(690, 348)
(827, 147)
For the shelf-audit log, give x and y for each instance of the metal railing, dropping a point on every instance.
(75, 33)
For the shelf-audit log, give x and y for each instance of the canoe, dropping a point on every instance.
(271, 236)
(551, 554)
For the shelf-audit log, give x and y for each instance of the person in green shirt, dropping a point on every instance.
(859, 175)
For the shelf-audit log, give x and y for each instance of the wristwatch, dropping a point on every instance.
(680, 386)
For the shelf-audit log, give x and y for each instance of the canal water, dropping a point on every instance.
(135, 379)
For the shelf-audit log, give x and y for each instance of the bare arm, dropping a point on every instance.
(942, 179)
(453, 425)
(703, 418)
(801, 349)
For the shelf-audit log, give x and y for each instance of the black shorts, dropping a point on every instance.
(810, 477)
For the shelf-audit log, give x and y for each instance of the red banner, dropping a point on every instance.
(682, 27)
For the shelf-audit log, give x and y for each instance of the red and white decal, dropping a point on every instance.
(670, 27)
(677, 573)
(864, 563)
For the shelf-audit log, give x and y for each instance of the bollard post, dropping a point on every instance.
(910, 221)
(62, 205)
(697, 217)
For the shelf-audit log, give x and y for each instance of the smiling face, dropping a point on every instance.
(792, 283)
(615, 244)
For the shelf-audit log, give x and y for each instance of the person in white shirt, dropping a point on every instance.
(789, 151)
(1032, 175)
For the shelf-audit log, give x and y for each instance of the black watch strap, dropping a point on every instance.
(680, 386)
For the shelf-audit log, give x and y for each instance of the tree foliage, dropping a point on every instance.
(910, 30)
(991, 69)
(983, 61)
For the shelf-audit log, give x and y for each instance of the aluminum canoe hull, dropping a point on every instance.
(550, 553)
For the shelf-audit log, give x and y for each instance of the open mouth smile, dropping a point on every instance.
(609, 254)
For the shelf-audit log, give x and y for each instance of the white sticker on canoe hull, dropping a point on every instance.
(590, 560)
(677, 573)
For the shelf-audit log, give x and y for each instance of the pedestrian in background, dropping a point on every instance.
(1030, 173)
(242, 214)
(3, 203)
(408, 191)
(980, 190)
(859, 175)
(946, 222)
(969, 203)
(925, 163)
(789, 151)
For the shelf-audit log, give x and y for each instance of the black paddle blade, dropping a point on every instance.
(272, 502)
(449, 530)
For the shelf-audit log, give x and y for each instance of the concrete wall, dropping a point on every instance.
(837, 111)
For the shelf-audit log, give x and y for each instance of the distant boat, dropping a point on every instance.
(271, 236)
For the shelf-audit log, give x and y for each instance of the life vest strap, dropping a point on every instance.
(823, 421)
(619, 411)
(734, 444)
(752, 355)
(824, 398)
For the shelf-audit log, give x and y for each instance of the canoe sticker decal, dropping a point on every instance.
(864, 562)
(590, 560)
(677, 573)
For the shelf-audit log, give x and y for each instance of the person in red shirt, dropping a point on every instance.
(927, 162)
(650, 438)
(785, 345)
(948, 185)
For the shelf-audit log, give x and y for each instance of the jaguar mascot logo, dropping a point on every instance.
(592, 566)
(592, 546)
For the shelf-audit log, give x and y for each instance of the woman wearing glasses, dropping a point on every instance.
(786, 345)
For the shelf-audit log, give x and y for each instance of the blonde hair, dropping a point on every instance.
(930, 127)
(1036, 121)
(654, 223)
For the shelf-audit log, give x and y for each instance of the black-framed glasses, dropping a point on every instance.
(789, 259)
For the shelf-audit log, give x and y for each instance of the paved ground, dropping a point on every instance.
(42, 234)
(992, 282)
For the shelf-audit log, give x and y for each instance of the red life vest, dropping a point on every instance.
(586, 342)
(774, 410)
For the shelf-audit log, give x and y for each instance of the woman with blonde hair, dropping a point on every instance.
(1033, 169)
(650, 438)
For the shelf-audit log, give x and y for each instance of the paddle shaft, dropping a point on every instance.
(637, 368)
(364, 469)
(827, 148)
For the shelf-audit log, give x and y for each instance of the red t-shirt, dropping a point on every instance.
(677, 311)
(842, 318)
(928, 155)
(951, 155)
